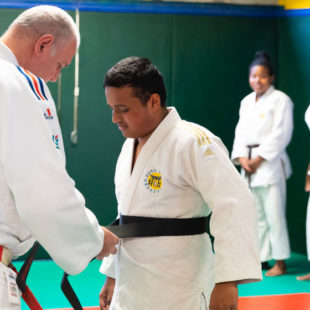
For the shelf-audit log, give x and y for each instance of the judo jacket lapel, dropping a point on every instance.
(150, 147)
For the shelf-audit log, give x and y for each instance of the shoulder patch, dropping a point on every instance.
(35, 83)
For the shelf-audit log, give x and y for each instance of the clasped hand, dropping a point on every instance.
(109, 244)
(251, 165)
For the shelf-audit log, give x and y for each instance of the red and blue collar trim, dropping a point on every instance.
(35, 83)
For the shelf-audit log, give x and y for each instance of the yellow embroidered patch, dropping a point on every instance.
(262, 115)
(153, 181)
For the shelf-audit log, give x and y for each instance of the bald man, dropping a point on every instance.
(38, 199)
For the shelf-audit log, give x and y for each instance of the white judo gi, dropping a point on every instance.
(38, 199)
(307, 120)
(183, 171)
(268, 122)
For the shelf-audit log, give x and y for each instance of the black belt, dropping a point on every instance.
(22, 275)
(138, 226)
(24, 270)
(250, 147)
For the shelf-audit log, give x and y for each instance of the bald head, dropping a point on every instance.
(46, 19)
(43, 40)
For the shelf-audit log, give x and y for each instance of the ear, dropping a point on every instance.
(155, 102)
(43, 45)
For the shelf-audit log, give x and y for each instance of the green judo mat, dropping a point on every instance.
(45, 278)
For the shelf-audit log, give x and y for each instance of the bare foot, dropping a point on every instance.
(278, 269)
(306, 277)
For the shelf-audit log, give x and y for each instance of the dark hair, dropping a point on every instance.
(140, 74)
(262, 58)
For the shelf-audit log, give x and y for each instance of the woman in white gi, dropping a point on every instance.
(307, 188)
(263, 132)
(170, 168)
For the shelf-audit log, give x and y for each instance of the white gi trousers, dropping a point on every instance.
(272, 227)
(5, 304)
(308, 228)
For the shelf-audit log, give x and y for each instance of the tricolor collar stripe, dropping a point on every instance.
(32, 81)
(28, 80)
(35, 83)
(42, 88)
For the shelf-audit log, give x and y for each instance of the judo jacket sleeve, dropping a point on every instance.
(233, 220)
(281, 133)
(239, 146)
(307, 117)
(46, 199)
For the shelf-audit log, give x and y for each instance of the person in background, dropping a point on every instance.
(307, 189)
(263, 132)
(38, 199)
(171, 171)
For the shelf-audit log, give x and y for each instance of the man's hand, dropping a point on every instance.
(255, 163)
(224, 296)
(106, 294)
(244, 162)
(109, 244)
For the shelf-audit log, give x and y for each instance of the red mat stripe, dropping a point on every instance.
(300, 301)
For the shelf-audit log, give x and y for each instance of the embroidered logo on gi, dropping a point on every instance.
(153, 181)
(208, 152)
(48, 114)
(262, 115)
(56, 141)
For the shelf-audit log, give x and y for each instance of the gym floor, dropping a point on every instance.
(278, 293)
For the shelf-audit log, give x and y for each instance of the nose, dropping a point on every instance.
(115, 117)
(55, 76)
(257, 79)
